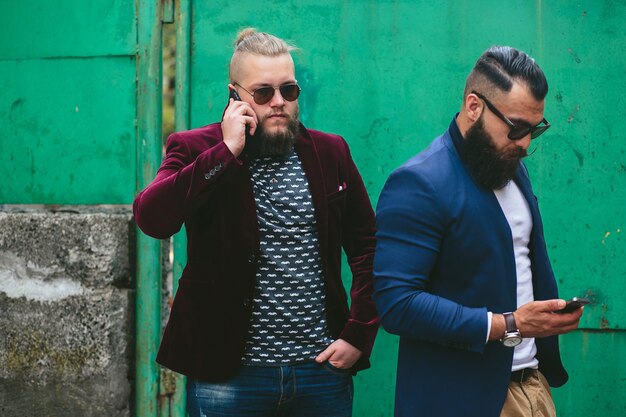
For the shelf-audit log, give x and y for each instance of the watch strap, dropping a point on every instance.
(509, 320)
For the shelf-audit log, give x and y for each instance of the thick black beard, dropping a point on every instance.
(278, 144)
(491, 168)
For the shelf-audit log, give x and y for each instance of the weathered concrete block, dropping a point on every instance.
(91, 248)
(66, 328)
(70, 357)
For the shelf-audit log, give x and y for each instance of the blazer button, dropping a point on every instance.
(251, 259)
(246, 302)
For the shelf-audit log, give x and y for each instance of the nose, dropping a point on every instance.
(277, 99)
(524, 142)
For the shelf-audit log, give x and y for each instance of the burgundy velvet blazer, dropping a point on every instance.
(201, 184)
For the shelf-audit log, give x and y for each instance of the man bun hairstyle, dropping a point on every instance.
(250, 41)
(499, 66)
(261, 43)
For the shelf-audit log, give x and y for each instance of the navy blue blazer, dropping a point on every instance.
(444, 257)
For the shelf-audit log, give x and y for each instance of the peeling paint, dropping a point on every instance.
(17, 104)
(579, 156)
(604, 322)
(572, 114)
(574, 55)
(375, 127)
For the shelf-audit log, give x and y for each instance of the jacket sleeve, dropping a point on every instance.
(412, 224)
(359, 241)
(183, 183)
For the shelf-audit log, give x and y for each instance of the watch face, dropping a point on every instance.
(511, 340)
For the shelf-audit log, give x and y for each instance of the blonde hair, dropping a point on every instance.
(249, 41)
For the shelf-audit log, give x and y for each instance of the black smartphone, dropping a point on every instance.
(233, 94)
(573, 305)
(250, 144)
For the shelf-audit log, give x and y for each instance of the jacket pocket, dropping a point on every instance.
(336, 196)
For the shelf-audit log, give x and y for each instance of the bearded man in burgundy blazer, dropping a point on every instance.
(261, 320)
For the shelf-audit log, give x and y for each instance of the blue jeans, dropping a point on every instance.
(304, 390)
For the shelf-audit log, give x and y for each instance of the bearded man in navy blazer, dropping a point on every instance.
(461, 270)
(261, 323)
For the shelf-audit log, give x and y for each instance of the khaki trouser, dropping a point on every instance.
(531, 398)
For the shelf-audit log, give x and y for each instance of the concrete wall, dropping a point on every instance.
(66, 312)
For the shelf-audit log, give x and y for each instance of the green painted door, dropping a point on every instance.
(388, 76)
(80, 113)
(68, 102)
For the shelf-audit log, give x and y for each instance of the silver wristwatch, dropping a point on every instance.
(512, 337)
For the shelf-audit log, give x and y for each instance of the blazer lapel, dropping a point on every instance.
(307, 152)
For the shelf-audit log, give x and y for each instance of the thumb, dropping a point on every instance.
(323, 357)
(556, 304)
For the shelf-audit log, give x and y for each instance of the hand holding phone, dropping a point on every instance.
(237, 116)
(573, 305)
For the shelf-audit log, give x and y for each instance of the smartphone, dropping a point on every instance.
(233, 94)
(573, 305)
(251, 147)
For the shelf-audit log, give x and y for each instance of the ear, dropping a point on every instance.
(473, 107)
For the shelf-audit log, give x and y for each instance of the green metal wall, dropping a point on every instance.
(80, 123)
(388, 76)
(79, 106)
(67, 101)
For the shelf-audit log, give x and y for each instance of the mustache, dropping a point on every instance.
(288, 116)
(517, 153)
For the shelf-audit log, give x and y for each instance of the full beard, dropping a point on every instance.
(491, 168)
(277, 144)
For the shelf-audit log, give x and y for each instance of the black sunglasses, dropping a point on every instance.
(518, 131)
(262, 95)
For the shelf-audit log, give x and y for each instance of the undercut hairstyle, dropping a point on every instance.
(500, 66)
(249, 41)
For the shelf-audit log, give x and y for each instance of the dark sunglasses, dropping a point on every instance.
(518, 131)
(262, 95)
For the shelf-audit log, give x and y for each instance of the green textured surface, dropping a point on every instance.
(68, 102)
(67, 131)
(597, 386)
(178, 407)
(149, 250)
(389, 75)
(69, 28)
